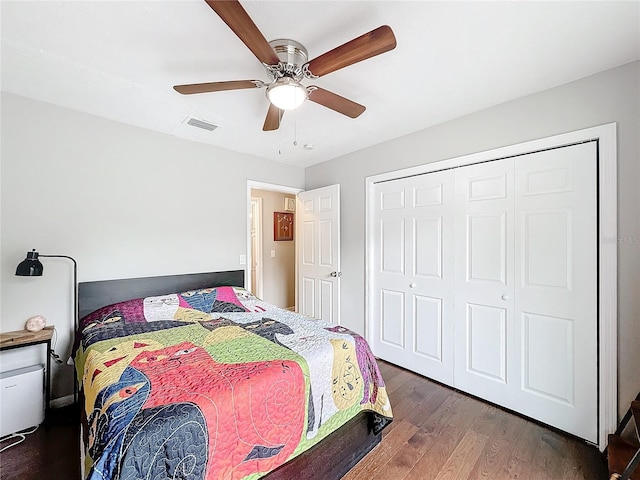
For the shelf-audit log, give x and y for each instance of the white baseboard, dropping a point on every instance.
(61, 402)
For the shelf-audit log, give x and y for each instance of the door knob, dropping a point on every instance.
(412, 285)
(505, 297)
(336, 274)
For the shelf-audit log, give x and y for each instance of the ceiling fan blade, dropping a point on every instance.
(239, 21)
(272, 122)
(369, 45)
(217, 86)
(336, 102)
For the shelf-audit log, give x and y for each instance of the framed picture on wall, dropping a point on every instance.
(282, 226)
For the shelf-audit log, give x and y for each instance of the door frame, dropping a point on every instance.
(253, 184)
(606, 136)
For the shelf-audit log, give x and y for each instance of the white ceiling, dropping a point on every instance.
(120, 59)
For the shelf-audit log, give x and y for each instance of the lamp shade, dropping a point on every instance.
(30, 266)
(286, 94)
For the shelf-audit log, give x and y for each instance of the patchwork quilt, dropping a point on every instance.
(216, 384)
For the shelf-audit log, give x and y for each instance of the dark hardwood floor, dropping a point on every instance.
(437, 434)
(51, 452)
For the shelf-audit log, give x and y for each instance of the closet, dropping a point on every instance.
(485, 279)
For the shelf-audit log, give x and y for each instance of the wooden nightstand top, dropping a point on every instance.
(24, 337)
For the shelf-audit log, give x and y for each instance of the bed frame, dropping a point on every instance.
(330, 459)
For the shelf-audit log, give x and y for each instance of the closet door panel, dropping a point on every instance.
(431, 273)
(547, 234)
(413, 268)
(427, 255)
(556, 287)
(547, 357)
(486, 329)
(391, 327)
(428, 327)
(484, 220)
(486, 247)
(393, 319)
(392, 247)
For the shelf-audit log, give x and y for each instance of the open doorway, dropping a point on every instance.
(271, 261)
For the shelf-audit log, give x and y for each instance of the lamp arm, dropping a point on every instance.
(75, 312)
(75, 287)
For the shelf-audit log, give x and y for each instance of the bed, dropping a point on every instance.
(193, 377)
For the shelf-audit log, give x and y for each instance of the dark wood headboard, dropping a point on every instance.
(93, 295)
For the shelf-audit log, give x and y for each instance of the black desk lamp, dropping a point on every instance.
(31, 267)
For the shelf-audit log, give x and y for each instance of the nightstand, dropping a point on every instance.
(25, 338)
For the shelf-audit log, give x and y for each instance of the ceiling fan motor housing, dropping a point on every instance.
(292, 57)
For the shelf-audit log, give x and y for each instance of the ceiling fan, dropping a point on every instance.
(286, 63)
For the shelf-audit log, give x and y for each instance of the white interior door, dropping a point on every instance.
(318, 245)
(414, 274)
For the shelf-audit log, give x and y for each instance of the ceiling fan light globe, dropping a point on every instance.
(286, 94)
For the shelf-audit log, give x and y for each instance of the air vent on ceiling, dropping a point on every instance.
(194, 122)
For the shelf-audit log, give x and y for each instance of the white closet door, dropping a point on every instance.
(485, 278)
(484, 281)
(414, 274)
(526, 276)
(556, 288)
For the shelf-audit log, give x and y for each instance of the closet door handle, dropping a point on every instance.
(505, 297)
(412, 285)
(336, 274)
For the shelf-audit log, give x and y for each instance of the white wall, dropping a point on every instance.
(123, 201)
(611, 96)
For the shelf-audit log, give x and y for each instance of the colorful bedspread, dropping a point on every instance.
(216, 384)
